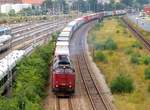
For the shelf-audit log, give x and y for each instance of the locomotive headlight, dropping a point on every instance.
(70, 86)
(56, 85)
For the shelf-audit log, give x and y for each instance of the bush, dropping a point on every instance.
(146, 60)
(97, 26)
(99, 46)
(12, 12)
(149, 87)
(135, 58)
(117, 31)
(128, 51)
(122, 84)
(136, 44)
(147, 73)
(100, 56)
(32, 75)
(110, 44)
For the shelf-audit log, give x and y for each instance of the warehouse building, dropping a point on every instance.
(33, 2)
(7, 1)
(147, 9)
(5, 8)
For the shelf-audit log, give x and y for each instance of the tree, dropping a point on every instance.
(127, 2)
(12, 12)
(93, 4)
(122, 84)
(142, 1)
(47, 4)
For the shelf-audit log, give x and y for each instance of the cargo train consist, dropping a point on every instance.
(63, 73)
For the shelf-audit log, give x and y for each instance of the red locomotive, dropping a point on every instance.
(63, 76)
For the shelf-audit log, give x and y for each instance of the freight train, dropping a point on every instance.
(63, 73)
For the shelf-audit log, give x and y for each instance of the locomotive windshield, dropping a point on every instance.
(63, 70)
(63, 60)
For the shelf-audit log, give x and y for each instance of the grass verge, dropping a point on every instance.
(128, 59)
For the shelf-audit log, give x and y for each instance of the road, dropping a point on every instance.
(142, 23)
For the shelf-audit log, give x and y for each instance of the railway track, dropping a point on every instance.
(94, 93)
(64, 104)
(27, 40)
(137, 34)
(33, 26)
(96, 98)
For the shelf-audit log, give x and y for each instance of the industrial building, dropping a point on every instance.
(33, 2)
(7, 1)
(147, 9)
(5, 8)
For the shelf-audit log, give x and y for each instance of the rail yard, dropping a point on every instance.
(92, 61)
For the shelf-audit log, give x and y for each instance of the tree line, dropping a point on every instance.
(93, 5)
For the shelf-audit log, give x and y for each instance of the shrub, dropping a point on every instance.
(122, 84)
(99, 46)
(100, 56)
(32, 75)
(97, 26)
(110, 44)
(147, 73)
(136, 44)
(12, 12)
(128, 51)
(117, 31)
(148, 88)
(92, 37)
(146, 60)
(135, 58)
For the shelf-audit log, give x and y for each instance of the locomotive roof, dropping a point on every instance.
(61, 61)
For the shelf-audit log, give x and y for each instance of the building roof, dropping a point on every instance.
(34, 2)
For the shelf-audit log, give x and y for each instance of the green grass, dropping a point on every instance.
(119, 61)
